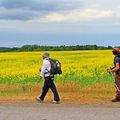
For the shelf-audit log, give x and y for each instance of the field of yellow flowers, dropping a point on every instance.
(80, 67)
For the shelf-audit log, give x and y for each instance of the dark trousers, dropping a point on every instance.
(117, 81)
(49, 84)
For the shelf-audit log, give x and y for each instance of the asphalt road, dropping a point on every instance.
(48, 111)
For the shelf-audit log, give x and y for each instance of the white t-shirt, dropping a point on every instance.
(45, 68)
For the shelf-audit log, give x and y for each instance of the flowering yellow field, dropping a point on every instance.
(81, 67)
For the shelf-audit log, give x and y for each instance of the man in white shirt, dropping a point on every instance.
(48, 83)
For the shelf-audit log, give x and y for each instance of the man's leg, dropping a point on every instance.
(53, 88)
(117, 81)
(44, 91)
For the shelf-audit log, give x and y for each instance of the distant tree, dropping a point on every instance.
(54, 48)
(109, 47)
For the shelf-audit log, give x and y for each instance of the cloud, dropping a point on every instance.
(58, 15)
(28, 9)
(37, 5)
(116, 23)
(12, 4)
(16, 14)
(117, 13)
(74, 16)
(51, 11)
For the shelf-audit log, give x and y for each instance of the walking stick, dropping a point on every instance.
(114, 82)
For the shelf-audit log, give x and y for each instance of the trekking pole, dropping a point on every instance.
(114, 82)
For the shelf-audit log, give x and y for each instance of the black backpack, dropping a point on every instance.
(55, 66)
(119, 58)
(119, 55)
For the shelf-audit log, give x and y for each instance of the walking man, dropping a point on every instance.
(116, 69)
(48, 83)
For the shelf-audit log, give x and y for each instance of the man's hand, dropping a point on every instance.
(40, 78)
(108, 71)
(110, 68)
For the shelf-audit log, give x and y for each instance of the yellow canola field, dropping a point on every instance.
(76, 65)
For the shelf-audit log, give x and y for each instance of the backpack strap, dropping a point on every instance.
(46, 68)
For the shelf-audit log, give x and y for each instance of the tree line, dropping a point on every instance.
(54, 48)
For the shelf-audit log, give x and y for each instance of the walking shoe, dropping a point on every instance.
(55, 102)
(39, 100)
(116, 100)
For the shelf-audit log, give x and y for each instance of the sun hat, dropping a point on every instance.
(46, 54)
(116, 50)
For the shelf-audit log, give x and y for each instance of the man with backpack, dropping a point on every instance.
(116, 69)
(48, 83)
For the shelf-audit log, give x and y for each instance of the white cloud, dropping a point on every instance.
(74, 16)
(59, 15)
(117, 12)
(116, 23)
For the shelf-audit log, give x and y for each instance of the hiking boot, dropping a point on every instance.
(39, 100)
(116, 100)
(55, 102)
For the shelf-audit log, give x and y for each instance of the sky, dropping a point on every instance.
(59, 22)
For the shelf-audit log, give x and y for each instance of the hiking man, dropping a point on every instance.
(48, 83)
(116, 69)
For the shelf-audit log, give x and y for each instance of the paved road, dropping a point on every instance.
(48, 111)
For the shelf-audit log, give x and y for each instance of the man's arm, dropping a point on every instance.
(42, 70)
(114, 69)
